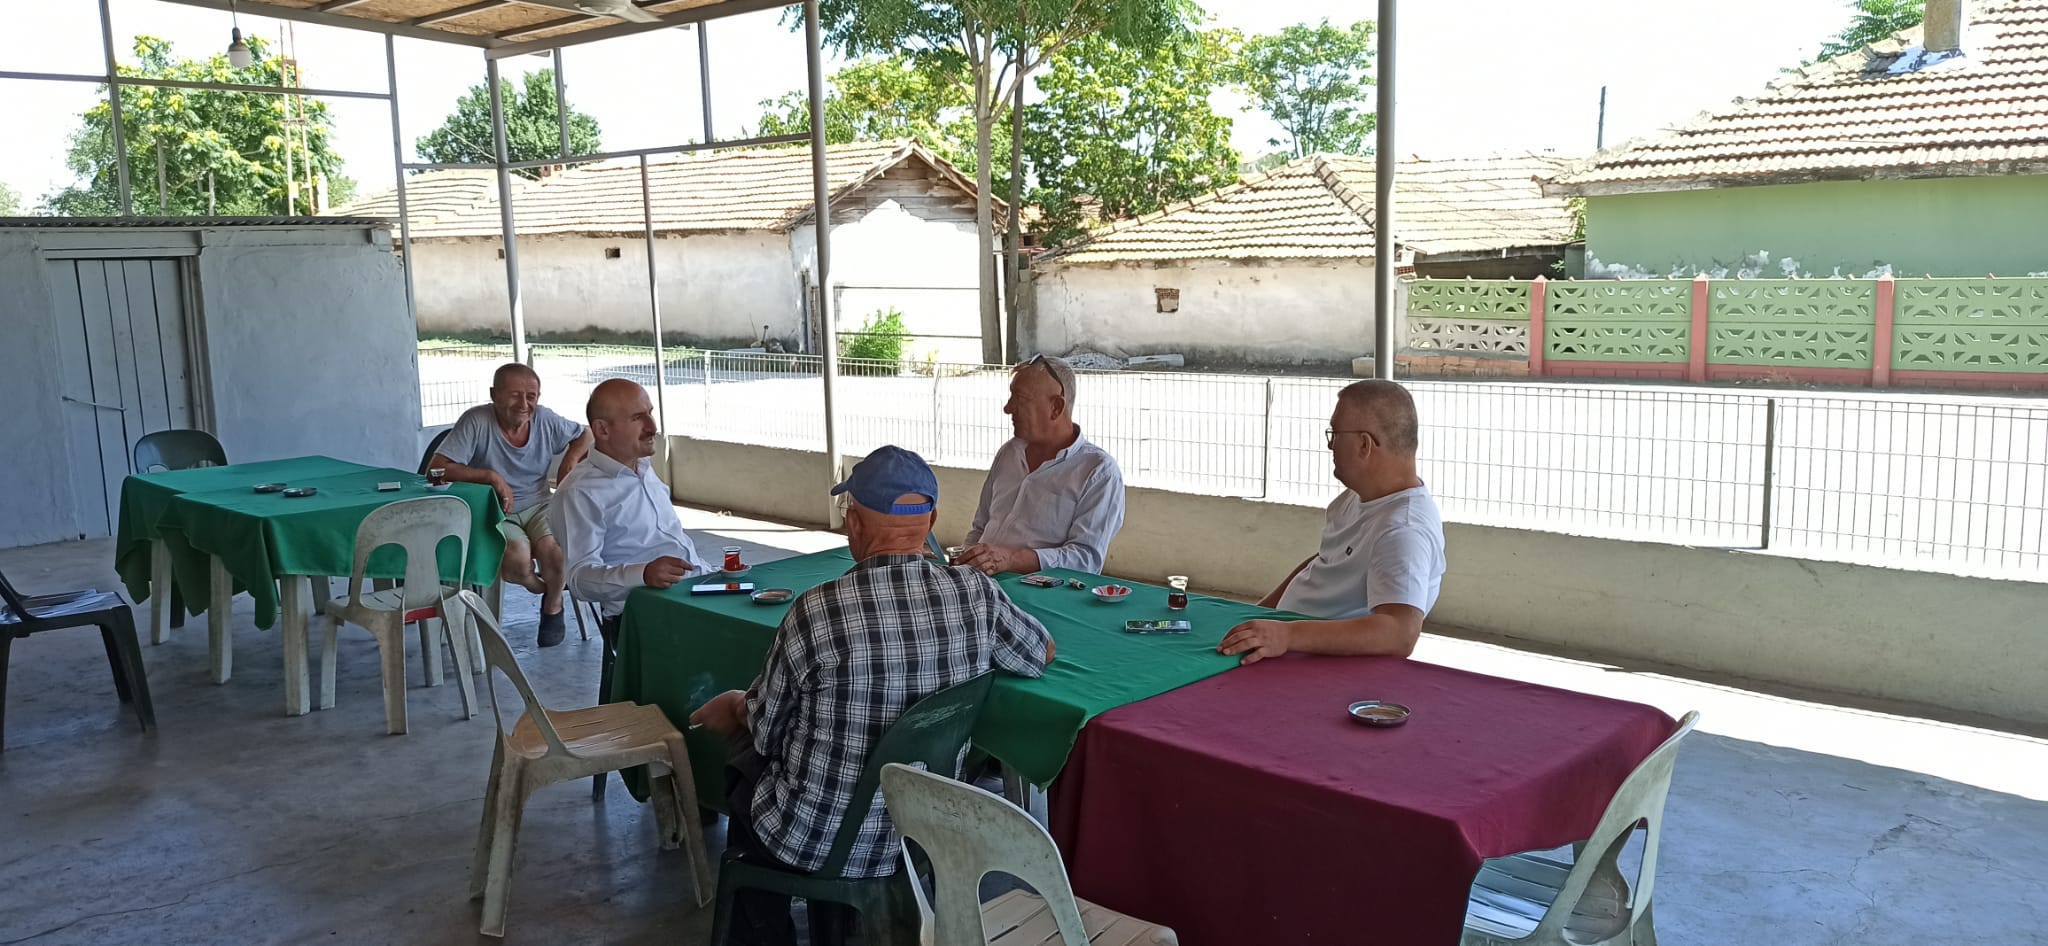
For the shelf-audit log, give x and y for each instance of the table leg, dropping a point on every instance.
(160, 592)
(1025, 795)
(220, 630)
(296, 697)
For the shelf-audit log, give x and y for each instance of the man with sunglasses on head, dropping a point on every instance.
(1052, 499)
(1382, 557)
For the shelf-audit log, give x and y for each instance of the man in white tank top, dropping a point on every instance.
(1382, 557)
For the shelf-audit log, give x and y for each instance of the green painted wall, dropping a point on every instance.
(1948, 227)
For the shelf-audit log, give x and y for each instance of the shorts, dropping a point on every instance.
(527, 525)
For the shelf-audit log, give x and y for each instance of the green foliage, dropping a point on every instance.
(221, 152)
(1122, 132)
(882, 99)
(10, 202)
(532, 130)
(1263, 163)
(1314, 81)
(881, 338)
(1874, 20)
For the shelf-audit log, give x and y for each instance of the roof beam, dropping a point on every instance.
(700, 14)
(559, 22)
(462, 11)
(343, 20)
(336, 6)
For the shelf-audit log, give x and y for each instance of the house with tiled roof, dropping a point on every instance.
(1278, 269)
(1926, 153)
(734, 245)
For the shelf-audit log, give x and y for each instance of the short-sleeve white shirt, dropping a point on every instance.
(1387, 551)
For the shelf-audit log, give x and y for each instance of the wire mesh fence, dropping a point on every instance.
(1950, 484)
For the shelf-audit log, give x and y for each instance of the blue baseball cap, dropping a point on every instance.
(887, 473)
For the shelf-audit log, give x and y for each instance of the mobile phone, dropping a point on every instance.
(1157, 627)
(723, 588)
(1040, 581)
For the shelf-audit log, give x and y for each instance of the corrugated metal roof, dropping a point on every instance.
(1320, 207)
(1880, 111)
(751, 189)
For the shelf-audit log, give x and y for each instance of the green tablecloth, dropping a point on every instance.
(261, 537)
(146, 496)
(677, 651)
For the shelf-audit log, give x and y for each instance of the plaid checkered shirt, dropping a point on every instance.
(852, 655)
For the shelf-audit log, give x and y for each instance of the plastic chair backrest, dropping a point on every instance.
(498, 656)
(177, 450)
(968, 833)
(433, 447)
(418, 526)
(1639, 800)
(931, 733)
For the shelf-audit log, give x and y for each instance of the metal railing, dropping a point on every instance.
(1956, 484)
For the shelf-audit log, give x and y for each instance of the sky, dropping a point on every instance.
(1473, 77)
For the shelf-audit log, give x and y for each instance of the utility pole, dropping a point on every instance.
(1600, 131)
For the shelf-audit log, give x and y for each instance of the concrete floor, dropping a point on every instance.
(1791, 822)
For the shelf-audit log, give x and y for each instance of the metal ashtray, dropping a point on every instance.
(1379, 714)
(773, 596)
(300, 492)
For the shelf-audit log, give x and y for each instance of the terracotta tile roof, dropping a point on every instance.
(1320, 207)
(753, 189)
(1881, 111)
(435, 196)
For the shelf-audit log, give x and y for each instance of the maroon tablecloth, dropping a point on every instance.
(1248, 808)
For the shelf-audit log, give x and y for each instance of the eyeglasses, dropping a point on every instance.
(1040, 362)
(1330, 436)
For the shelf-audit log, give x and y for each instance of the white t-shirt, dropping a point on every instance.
(1388, 551)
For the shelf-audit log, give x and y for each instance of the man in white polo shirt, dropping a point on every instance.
(1052, 499)
(1382, 557)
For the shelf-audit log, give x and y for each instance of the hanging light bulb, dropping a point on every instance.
(238, 51)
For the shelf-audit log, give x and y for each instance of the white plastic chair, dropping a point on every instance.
(548, 746)
(1536, 899)
(968, 833)
(418, 526)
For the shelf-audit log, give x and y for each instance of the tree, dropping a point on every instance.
(1121, 132)
(193, 152)
(532, 130)
(1874, 20)
(997, 44)
(882, 99)
(10, 202)
(1314, 81)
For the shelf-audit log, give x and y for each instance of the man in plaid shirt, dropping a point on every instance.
(852, 655)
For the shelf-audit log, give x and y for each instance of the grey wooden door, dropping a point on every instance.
(121, 327)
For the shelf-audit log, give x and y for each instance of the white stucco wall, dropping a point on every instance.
(716, 288)
(879, 260)
(304, 336)
(1968, 645)
(309, 346)
(1230, 313)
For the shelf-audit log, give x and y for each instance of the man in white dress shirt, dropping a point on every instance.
(618, 527)
(1382, 557)
(1052, 499)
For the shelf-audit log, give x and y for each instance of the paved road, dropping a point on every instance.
(1943, 483)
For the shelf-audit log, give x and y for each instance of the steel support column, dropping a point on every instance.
(505, 217)
(821, 188)
(1386, 255)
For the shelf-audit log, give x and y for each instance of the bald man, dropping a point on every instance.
(508, 445)
(1382, 557)
(618, 527)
